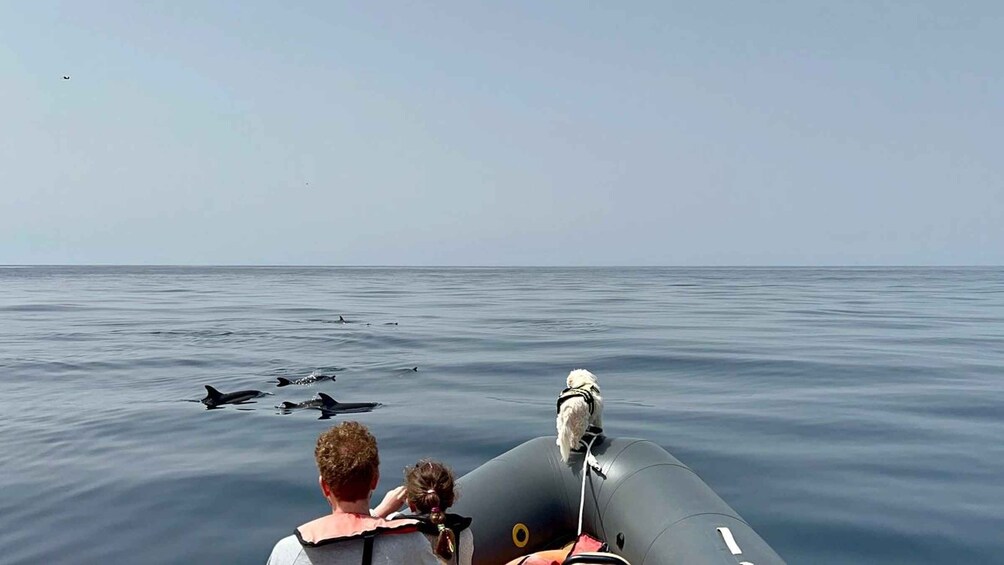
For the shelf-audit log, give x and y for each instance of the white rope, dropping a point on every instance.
(582, 494)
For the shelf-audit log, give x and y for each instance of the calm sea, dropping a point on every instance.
(849, 415)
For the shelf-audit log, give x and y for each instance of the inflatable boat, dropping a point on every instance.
(648, 507)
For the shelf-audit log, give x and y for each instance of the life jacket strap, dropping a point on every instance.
(368, 550)
(570, 393)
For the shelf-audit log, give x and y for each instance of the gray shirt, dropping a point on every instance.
(388, 549)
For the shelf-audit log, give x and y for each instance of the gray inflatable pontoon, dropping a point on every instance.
(650, 508)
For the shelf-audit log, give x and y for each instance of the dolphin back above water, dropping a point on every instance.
(328, 406)
(216, 398)
(319, 402)
(309, 379)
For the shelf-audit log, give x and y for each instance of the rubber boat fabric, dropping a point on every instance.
(650, 508)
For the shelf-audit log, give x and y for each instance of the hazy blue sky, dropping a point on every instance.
(510, 133)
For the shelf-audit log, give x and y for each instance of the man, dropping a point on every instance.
(348, 463)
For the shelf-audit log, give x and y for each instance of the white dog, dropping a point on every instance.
(580, 407)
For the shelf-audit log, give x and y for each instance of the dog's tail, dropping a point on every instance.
(572, 421)
(565, 447)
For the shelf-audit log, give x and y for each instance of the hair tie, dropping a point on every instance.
(435, 510)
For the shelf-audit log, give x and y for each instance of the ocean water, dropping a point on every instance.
(849, 415)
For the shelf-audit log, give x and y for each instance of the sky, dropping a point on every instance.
(504, 133)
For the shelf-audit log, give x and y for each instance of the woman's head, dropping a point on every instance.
(429, 485)
(348, 461)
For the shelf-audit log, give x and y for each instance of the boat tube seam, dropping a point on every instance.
(595, 497)
(599, 514)
(619, 453)
(592, 485)
(656, 538)
(625, 479)
(632, 444)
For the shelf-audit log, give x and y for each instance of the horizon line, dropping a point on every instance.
(503, 266)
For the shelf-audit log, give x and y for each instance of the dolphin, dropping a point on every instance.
(216, 398)
(309, 379)
(328, 406)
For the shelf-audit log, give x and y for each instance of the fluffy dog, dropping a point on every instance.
(580, 407)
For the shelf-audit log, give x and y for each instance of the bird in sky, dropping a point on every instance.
(66, 77)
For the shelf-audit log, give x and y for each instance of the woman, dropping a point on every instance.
(429, 487)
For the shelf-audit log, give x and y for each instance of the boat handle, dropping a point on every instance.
(730, 541)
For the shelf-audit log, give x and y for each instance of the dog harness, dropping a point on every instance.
(587, 395)
(570, 393)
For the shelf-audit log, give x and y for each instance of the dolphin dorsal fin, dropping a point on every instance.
(283, 381)
(327, 400)
(288, 405)
(212, 392)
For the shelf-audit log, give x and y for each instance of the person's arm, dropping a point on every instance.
(392, 502)
(466, 542)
